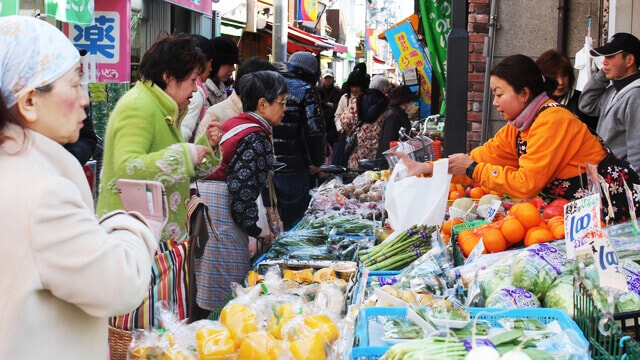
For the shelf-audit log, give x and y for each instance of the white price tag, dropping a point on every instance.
(607, 262)
(580, 217)
(493, 209)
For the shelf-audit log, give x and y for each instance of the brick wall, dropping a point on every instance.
(478, 28)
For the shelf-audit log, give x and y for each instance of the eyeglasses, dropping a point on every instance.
(281, 102)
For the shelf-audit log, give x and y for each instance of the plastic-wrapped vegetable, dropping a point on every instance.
(512, 297)
(535, 268)
(560, 294)
(494, 280)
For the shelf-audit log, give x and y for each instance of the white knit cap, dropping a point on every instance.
(33, 53)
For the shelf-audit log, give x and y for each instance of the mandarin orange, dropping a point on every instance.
(537, 235)
(494, 241)
(513, 230)
(528, 214)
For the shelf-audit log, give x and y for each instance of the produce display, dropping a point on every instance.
(491, 281)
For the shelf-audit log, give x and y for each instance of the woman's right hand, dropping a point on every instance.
(414, 168)
(201, 154)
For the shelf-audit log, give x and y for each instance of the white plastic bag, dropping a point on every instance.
(411, 200)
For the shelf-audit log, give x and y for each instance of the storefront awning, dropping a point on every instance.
(337, 47)
(299, 40)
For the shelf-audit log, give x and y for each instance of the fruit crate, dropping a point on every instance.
(458, 257)
(622, 330)
(370, 347)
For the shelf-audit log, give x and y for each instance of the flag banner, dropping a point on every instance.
(371, 36)
(408, 53)
(77, 12)
(9, 7)
(308, 10)
(436, 20)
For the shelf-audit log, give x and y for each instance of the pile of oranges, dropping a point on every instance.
(457, 191)
(523, 223)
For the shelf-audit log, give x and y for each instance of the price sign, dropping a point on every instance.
(580, 217)
(606, 260)
(632, 207)
(493, 209)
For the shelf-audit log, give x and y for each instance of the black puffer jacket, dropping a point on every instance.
(299, 141)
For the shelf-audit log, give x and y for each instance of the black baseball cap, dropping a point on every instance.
(618, 43)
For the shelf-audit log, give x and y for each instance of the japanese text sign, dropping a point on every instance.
(580, 217)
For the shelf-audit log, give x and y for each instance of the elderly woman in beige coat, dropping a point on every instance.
(64, 272)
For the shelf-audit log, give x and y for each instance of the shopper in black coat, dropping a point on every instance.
(396, 117)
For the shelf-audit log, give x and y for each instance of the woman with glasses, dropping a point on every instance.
(64, 272)
(232, 190)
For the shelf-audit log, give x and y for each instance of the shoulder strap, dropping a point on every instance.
(229, 134)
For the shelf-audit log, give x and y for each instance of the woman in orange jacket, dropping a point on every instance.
(543, 149)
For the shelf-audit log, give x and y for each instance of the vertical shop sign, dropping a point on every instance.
(107, 41)
(79, 12)
(9, 7)
(436, 20)
(308, 10)
(409, 54)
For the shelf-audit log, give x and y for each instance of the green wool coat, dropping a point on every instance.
(143, 141)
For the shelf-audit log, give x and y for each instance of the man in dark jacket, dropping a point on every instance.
(396, 117)
(299, 141)
(330, 96)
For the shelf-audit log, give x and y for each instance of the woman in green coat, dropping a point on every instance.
(143, 141)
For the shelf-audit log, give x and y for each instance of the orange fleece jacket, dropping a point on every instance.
(558, 145)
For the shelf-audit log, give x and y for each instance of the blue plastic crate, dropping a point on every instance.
(366, 348)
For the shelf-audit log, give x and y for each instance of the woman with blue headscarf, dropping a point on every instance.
(64, 272)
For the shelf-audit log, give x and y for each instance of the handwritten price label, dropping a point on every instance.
(580, 217)
(606, 260)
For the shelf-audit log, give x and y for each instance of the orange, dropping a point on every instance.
(467, 240)
(452, 187)
(537, 235)
(494, 241)
(447, 225)
(460, 189)
(455, 195)
(513, 230)
(556, 228)
(528, 214)
(476, 193)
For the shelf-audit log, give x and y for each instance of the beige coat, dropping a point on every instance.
(62, 272)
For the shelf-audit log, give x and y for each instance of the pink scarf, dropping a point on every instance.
(526, 117)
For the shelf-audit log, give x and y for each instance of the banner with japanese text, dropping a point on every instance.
(107, 42)
(78, 12)
(9, 7)
(308, 10)
(408, 53)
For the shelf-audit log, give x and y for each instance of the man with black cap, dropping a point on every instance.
(223, 65)
(613, 94)
(330, 96)
(401, 99)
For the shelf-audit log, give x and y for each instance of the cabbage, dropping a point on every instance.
(494, 280)
(512, 297)
(535, 268)
(560, 294)
(628, 302)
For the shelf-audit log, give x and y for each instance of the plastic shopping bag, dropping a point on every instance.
(411, 200)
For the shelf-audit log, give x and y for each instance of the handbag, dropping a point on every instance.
(273, 216)
(350, 143)
(197, 220)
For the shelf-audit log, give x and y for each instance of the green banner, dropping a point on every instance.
(9, 7)
(436, 20)
(77, 12)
